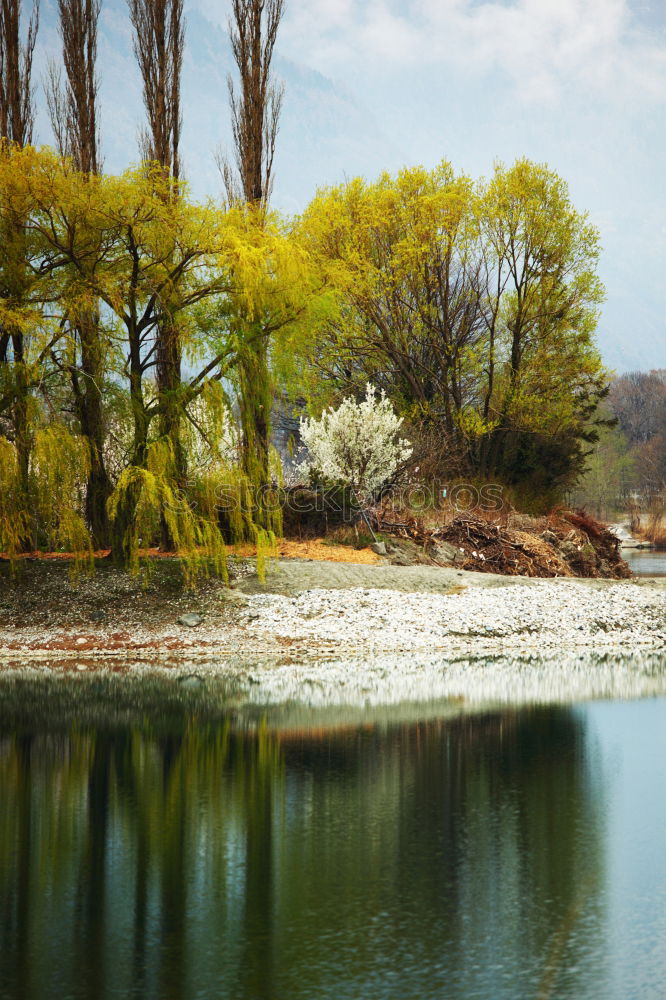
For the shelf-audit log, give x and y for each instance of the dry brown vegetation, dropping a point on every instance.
(564, 543)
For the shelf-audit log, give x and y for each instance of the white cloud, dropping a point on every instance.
(542, 46)
(579, 84)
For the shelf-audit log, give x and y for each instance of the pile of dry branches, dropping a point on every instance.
(566, 543)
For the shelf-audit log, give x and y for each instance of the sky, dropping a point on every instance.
(374, 85)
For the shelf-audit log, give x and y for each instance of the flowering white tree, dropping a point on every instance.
(358, 443)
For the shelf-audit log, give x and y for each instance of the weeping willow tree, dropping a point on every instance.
(144, 498)
(126, 244)
(75, 121)
(53, 518)
(26, 335)
(14, 341)
(60, 473)
(218, 485)
(143, 254)
(159, 41)
(14, 521)
(267, 310)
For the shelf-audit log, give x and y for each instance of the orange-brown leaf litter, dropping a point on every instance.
(315, 548)
(319, 550)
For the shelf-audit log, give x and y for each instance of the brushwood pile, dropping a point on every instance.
(563, 544)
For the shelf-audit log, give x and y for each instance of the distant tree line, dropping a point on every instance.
(626, 469)
(638, 402)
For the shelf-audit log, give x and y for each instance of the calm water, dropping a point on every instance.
(645, 562)
(176, 851)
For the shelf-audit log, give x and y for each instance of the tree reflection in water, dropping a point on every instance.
(191, 855)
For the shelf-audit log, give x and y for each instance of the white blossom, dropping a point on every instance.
(358, 443)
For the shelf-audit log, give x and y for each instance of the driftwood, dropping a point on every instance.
(567, 543)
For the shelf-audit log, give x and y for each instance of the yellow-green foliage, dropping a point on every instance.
(223, 496)
(144, 497)
(141, 258)
(52, 512)
(217, 487)
(217, 505)
(476, 302)
(267, 548)
(60, 466)
(14, 522)
(220, 491)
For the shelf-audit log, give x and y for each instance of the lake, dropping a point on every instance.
(645, 562)
(162, 841)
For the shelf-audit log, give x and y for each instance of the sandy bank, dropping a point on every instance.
(294, 576)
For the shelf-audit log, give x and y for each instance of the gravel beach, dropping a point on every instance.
(542, 614)
(365, 637)
(353, 609)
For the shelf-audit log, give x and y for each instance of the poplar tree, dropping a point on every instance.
(17, 115)
(73, 109)
(255, 104)
(74, 119)
(16, 126)
(159, 40)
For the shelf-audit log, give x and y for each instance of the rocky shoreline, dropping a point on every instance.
(543, 614)
(318, 642)
(341, 610)
(310, 691)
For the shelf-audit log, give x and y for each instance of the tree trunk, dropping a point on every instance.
(169, 358)
(255, 413)
(88, 395)
(124, 523)
(22, 434)
(123, 527)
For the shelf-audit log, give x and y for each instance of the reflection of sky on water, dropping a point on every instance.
(632, 742)
(644, 562)
(182, 850)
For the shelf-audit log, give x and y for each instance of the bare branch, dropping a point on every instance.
(159, 41)
(73, 110)
(17, 113)
(257, 103)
